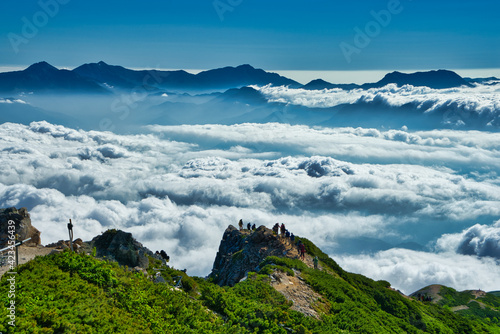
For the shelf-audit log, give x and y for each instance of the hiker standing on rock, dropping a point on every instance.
(253, 227)
(249, 226)
(283, 229)
(276, 228)
(302, 249)
(240, 224)
(287, 236)
(315, 261)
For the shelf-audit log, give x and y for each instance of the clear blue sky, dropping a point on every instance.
(274, 35)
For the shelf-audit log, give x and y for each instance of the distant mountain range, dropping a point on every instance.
(93, 95)
(101, 78)
(440, 79)
(43, 77)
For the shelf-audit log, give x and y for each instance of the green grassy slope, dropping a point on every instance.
(71, 293)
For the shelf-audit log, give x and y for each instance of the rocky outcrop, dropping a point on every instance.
(23, 227)
(241, 251)
(120, 246)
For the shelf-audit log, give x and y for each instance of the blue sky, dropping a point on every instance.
(277, 35)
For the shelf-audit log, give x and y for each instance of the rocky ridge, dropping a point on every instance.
(241, 251)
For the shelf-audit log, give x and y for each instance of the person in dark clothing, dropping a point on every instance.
(282, 230)
(292, 238)
(249, 226)
(302, 249)
(164, 255)
(276, 228)
(253, 227)
(240, 224)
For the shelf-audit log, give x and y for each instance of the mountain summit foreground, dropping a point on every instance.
(259, 284)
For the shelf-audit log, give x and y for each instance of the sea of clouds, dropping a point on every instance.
(177, 188)
(481, 97)
(478, 105)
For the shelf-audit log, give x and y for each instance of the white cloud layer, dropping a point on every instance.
(459, 106)
(409, 271)
(483, 98)
(479, 240)
(178, 187)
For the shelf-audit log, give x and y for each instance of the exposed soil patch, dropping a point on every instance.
(305, 299)
(27, 253)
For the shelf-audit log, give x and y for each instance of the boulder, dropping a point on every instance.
(23, 227)
(120, 246)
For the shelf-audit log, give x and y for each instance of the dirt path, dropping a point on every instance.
(27, 254)
(459, 308)
(295, 289)
(304, 298)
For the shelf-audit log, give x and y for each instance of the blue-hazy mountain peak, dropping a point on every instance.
(43, 77)
(319, 84)
(42, 66)
(439, 79)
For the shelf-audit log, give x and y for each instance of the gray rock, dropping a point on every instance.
(160, 279)
(121, 247)
(23, 229)
(241, 251)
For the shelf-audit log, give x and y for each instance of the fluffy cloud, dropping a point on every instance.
(481, 98)
(181, 167)
(458, 106)
(10, 101)
(178, 187)
(410, 271)
(480, 240)
(455, 149)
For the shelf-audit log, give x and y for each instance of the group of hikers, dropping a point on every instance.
(287, 237)
(424, 298)
(285, 234)
(249, 226)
